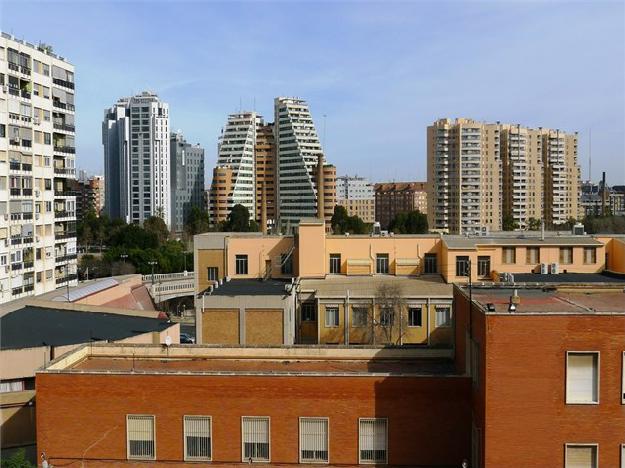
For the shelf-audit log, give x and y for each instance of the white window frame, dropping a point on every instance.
(153, 418)
(374, 462)
(338, 316)
(566, 377)
(622, 455)
(572, 444)
(258, 460)
(210, 435)
(318, 418)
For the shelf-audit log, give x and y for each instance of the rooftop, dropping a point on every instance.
(515, 239)
(550, 300)
(275, 361)
(251, 287)
(33, 326)
(366, 286)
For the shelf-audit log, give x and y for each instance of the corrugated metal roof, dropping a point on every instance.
(76, 294)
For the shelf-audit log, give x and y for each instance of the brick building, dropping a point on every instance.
(399, 197)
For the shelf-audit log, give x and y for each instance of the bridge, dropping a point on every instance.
(164, 287)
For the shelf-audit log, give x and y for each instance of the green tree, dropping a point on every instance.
(411, 222)
(197, 222)
(533, 224)
(156, 225)
(239, 221)
(17, 460)
(508, 223)
(341, 222)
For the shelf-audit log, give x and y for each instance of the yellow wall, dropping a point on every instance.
(264, 326)
(258, 251)
(615, 248)
(311, 249)
(209, 258)
(221, 326)
(331, 334)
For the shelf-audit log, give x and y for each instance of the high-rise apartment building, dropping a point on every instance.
(89, 195)
(135, 135)
(235, 173)
(398, 197)
(187, 179)
(298, 150)
(37, 162)
(357, 195)
(271, 168)
(492, 176)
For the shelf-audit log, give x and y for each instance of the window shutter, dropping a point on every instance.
(581, 378)
(581, 457)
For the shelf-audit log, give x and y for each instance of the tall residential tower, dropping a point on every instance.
(37, 163)
(187, 179)
(135, 135)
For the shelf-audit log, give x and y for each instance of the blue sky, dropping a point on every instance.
(380, 72)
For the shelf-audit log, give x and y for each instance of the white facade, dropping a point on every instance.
(298, 150)
(354, 188)
(236, 151)
(135, 135)
(37, 157)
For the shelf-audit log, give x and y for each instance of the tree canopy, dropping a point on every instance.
(197, 222)
(341, 222)
(239, 221)
(411, 222)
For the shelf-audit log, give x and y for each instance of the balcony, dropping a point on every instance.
(64, 171)
(66, 84)
(65, 258)
(65, 149)
(64, 214)
(63, 105)
(64, 127)
(64, 235)
(17, 166)
(65, 279)
(16, 192)
(65, 193)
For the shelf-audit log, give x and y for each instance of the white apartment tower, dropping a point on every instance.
(135, 135)
(235, 156)
(298, 151)
(37, 159)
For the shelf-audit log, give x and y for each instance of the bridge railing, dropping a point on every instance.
(169, 276)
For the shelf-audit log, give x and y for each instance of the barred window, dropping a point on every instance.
(140, 437)
(197, 438)
(372, 440)
(313, 440)
(255, 439)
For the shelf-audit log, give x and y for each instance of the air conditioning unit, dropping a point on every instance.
(553, 269)
(544, 269)
(578, 229)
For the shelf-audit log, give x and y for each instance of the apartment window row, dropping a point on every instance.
(360, 315)
(382, 264)
(256, 439)
(532, 255)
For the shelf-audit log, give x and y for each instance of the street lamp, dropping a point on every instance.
(152, 263)
(123, 257)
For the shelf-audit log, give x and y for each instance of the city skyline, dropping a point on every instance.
(377, 90)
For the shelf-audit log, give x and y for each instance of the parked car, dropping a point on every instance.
(185, 338)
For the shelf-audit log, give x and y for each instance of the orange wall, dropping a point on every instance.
(258, 250)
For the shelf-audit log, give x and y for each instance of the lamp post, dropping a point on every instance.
(123, 257)
(152, 263)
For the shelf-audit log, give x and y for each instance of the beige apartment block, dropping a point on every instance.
(464, 176)
(265, 161)
(480, 174)
(398, 197)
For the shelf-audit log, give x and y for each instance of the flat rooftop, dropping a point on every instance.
(274, 361)
(251, 287)
(570, 278)
(366, 286)
(34, 326)
(551, 301)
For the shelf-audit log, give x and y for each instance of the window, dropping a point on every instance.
(140, 437)
(241, 264)
(509, 255)
(623, 385)
(582, 377)
(387, 316)
(590, 255)
(286, 264)
(197, 438)
(462, 265)
(566, 255)
(213, 274)
(430, 263)
(359, 316)
(581, 456)
(483, 266)
(443, 316)
(309, 314)
(335, 264)
(414, 316)
(381, 264)
(332, 316)
(313, 440)
(532, 255)
(255, 438)
(372, 440)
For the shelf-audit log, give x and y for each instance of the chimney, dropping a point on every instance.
(320, 202)
(263, 210)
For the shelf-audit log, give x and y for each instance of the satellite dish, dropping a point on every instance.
(168, 341)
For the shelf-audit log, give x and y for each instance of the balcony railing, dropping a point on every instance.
(64, 171)
(65, 149)
(65, 193)
(67, 84)
(65, 235)
(16, 192)
(63, 105)
(64, 126)
(65, 279)
(64, 214)
(16, 166)
(64, 258)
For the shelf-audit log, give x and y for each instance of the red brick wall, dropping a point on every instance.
(84, 415)
(526, 420)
